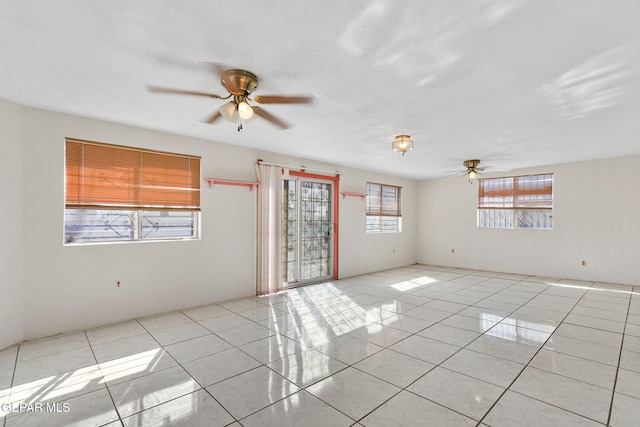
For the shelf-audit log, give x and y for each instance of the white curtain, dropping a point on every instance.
(269, 275)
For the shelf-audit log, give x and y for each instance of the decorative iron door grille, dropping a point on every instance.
(307, 230)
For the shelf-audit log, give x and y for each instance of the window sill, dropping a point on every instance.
(128, 242)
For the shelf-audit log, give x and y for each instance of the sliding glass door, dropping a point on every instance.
(307, 230)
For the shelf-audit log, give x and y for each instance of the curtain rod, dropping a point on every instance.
(301, 168)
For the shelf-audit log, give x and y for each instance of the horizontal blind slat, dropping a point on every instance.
(531, 191)
(382, 200)
(106, 175)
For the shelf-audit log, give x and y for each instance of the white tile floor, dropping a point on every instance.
(418, 345)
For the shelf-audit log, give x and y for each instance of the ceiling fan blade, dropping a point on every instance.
(157, 89)
(218, 67)
(212, 118)
(496, 169)
(280, 99)
(268, 116)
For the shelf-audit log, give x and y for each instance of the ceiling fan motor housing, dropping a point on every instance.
(471, 164)
(239, 82)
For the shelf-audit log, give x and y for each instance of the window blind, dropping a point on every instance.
(104, 176)
(533, 192)
(519, 192)
(383, 200)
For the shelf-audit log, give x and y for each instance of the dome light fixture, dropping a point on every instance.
(402, 144)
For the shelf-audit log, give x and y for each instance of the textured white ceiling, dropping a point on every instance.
(514, 83)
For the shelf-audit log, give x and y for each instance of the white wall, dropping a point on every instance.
(11, 248)
(596, 218)
(73, 287)
(363, 253)
(359, 252)
(69, 288)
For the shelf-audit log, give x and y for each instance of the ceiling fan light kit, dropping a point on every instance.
(402, 144)
(240, 84)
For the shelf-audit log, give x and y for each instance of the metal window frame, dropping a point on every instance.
(137, 230)
(380, 214)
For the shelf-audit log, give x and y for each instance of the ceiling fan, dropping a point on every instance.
(240, 84)
(472, 168)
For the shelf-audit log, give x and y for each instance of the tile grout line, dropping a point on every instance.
(65, 372)
(106, 386)
(438, 365)
(615, 380)
(332, 303)
(13, 377)
(356, 421)
(304, 347)
(464, 347)
(529, 362)
(352, 364)
(202, 387)
(262, 364)
(145, 375)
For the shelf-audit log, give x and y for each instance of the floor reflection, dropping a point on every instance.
(393, 326)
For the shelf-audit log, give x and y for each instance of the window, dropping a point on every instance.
(516, 202)
(115, 193)
(383, 208)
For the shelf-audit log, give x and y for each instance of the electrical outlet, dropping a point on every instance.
(584, 262)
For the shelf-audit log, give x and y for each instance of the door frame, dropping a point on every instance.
(336, 200)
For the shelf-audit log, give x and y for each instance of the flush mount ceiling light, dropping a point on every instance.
(402, 144)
